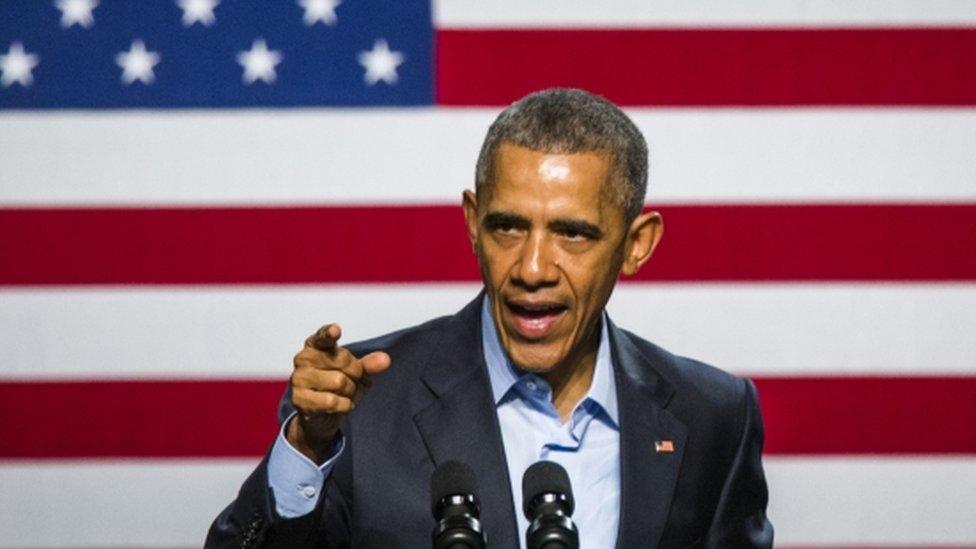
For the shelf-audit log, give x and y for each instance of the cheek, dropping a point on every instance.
(493, 264)
(592, 281)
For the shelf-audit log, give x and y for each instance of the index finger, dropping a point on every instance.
(325, 338)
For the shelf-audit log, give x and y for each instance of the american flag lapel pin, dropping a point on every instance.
(663, 446)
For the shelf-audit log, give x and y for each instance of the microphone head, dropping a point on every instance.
(546, 477)
(451, 478)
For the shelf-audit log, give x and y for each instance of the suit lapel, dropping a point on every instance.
(462, 424)
(647, 474)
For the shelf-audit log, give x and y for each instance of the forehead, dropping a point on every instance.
(526, 179)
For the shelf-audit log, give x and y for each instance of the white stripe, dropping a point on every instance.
(171, 503)
(702, 13)
(428, 156)
(877, 501)
(83, 503)
(254, 331)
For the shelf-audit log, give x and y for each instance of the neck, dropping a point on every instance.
(571, 380)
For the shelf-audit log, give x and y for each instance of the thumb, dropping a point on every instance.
(375, 362)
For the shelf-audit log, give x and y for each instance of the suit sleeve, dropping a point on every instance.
(740, 518)
(252, 521)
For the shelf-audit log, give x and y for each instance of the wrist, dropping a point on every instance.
(316, 446)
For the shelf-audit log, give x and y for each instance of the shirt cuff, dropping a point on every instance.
(295, 480)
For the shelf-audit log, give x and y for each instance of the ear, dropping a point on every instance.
(642, 237)
(469, 202)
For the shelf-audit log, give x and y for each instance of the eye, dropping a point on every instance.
(575, 235)
(506, 228)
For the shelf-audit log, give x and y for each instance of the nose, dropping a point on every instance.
(536, 266)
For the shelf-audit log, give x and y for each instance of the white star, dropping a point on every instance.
(198, 11)
(259, 63)
(76, 12)
(137, 63)
(319, 10)
(17, 65)
(380, 63)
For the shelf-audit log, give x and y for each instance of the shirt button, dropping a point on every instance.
(308, 491)
(532, 386)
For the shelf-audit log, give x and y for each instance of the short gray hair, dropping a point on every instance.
(567, 121)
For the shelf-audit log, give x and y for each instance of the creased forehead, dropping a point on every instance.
(569, 185)
(567, 121)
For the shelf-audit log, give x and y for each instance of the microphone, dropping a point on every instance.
(454, 502)
(547, 501)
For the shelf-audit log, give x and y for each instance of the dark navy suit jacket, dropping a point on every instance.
(435, 404)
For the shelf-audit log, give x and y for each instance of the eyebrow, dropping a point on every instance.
(494, 220)
(509, 219)
(564, 225)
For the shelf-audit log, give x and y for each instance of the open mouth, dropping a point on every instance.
(535, 320)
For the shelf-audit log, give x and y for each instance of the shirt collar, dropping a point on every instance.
(503, 375)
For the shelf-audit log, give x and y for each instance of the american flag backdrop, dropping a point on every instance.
(189, 188)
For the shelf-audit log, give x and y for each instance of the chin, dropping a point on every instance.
(537, 361)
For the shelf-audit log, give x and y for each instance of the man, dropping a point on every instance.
(662, 451)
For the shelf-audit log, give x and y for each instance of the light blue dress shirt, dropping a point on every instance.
(587, 446)
(296, 480)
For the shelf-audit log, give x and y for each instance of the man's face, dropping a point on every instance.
(551, 245)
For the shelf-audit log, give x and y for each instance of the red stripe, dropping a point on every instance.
(236, 418)
(428, 244)
(713, 67)
(137, 418)
(869, 415)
